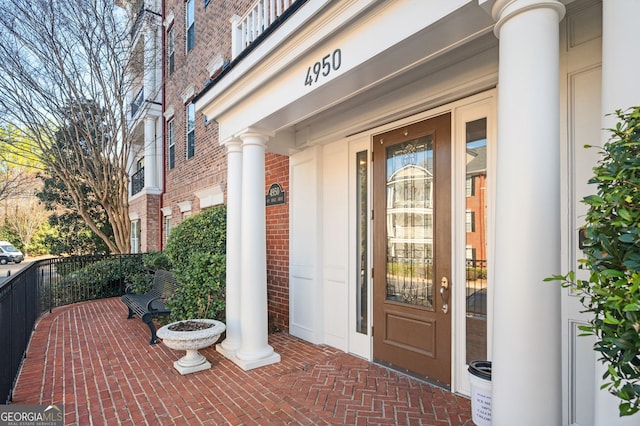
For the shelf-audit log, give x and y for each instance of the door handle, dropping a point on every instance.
(444, 294)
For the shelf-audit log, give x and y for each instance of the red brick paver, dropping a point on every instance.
(99, 366)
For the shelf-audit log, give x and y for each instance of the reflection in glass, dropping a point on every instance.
(476, 239)
(409, 224)
(362, 318)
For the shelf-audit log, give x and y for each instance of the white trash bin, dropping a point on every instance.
(480, 378)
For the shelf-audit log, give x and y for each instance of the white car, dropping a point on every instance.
(9, 253)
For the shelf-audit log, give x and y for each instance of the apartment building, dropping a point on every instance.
(145, 118)
(179, 166)
(376, 157)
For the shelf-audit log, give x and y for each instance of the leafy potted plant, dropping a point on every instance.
(611, 247)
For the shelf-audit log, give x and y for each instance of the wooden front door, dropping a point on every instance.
(412, 249)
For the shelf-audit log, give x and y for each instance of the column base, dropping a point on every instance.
(250, 364)
(254, 360)
(229, 353)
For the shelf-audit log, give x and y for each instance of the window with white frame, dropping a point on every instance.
(135, 236)
(191, 130)
(171, 143)
(171, 50)
(470, 253)
(470, 221)
(191, 34)
(470, 189)
(168, 225)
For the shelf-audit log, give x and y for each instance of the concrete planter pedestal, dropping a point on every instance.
(191, 341)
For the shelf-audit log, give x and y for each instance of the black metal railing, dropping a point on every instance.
(19, 310)
(137, 181)
(40, 287)
(476, 286)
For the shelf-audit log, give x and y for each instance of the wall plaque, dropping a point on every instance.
(275, 195)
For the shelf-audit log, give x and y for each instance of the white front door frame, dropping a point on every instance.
(463, 110)
(360, 344)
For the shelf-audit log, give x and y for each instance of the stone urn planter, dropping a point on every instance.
(191, 336)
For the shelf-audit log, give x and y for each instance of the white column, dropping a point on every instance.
(526, 375)
(254, 349)
(150, 154)
(620, 65)
(234, 208)
(149, 66)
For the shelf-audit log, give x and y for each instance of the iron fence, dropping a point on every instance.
(137, 181)
(476, 288)
(42, 286)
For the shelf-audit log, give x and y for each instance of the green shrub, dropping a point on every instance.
(102, 278)
(66, 266)
(612, 256)
(474, 274)
(196, 249)
(204, 232)
(113, 269)
(156, 260)
(200, 293)
(141, 280)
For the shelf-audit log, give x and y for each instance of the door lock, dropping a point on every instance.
(444, 294)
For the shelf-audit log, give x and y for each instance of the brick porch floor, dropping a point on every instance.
(99, 366)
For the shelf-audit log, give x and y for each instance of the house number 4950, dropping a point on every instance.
(331, 62)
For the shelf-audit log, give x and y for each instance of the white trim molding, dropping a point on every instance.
(184, 206)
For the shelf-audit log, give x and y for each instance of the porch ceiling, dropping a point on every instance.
(300, 115)
(428, 85)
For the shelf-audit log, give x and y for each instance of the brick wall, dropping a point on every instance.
(277, 171)
(212, 39)
(208, 166)
(151, 238)
(147, 209)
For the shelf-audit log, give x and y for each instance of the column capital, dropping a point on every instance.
(232, 144)
(255, 136)
(503, 10)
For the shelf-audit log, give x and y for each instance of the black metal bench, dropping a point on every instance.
(152, 304)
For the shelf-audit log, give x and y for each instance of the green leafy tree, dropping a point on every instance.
(7, 233)
(73, 235)
(38, 245)
(27, 216)
(611, 294)
(18, 166)
(22, 211)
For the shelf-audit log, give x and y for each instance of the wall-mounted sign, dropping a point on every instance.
(275, 195)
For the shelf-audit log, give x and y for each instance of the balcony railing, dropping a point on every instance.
(259, 17)
(137, 103)
(137, 181)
